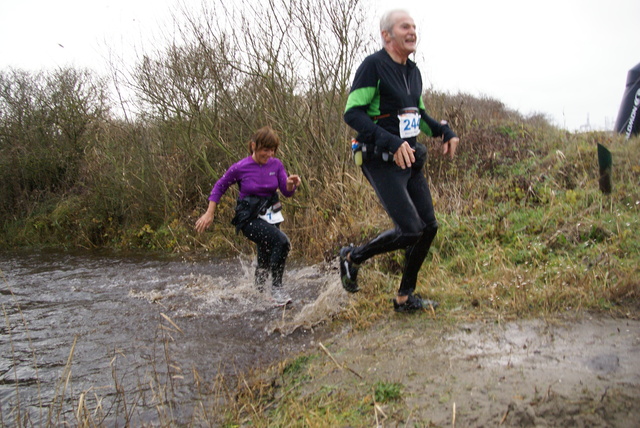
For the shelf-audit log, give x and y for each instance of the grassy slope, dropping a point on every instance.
(534, 237)
(524, 232)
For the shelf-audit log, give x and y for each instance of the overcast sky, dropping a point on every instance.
(567, 59)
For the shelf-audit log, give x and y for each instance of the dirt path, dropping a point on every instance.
(532, 373)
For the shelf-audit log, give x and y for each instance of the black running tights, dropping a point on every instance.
(406, 197)
(273, 248)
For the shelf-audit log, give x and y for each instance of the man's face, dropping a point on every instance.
(403, 37)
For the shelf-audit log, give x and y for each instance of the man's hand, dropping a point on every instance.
(450, 147)
(404, 157)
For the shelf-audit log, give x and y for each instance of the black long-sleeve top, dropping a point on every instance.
(381, 89)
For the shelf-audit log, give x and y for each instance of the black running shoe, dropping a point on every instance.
(414, 303)
(348, 271)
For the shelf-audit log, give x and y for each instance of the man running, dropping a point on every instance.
(385, 107)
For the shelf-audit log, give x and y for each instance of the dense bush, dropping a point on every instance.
(47, 122)
(80, 174)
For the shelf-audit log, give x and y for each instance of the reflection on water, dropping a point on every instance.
(137, 321)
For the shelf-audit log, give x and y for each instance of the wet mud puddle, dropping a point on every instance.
(108, 322)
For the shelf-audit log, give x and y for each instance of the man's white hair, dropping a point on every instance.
(388, 21)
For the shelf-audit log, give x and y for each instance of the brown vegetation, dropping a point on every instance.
(524, 229)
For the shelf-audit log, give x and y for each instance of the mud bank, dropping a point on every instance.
(527, 373)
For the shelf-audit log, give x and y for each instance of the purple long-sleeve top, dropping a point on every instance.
(253, 179)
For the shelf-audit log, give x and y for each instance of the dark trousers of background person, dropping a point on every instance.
(273, 248)
(405, 195)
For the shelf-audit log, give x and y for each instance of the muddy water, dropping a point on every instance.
(138, 329)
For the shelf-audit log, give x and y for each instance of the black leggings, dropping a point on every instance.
(405, 195)
(273, 248)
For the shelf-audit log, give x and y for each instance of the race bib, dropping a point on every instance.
(272, 217)
(409, 122)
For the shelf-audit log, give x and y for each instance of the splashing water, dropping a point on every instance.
(132, 320)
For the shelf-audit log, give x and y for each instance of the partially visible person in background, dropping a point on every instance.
(385, 107)
(258, 210)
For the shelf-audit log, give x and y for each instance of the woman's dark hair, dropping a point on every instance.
(265, 138)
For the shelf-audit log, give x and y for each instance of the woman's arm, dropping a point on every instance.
(293, 181)
(207, 218)
(286, 183)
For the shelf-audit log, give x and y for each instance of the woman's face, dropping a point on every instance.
(262, 155)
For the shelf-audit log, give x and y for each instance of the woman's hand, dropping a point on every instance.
(293, 181)
(206, 219)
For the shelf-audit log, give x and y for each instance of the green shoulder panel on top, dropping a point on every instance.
(423, 125)
(368, 96)
(425, 128)
(421, 104)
